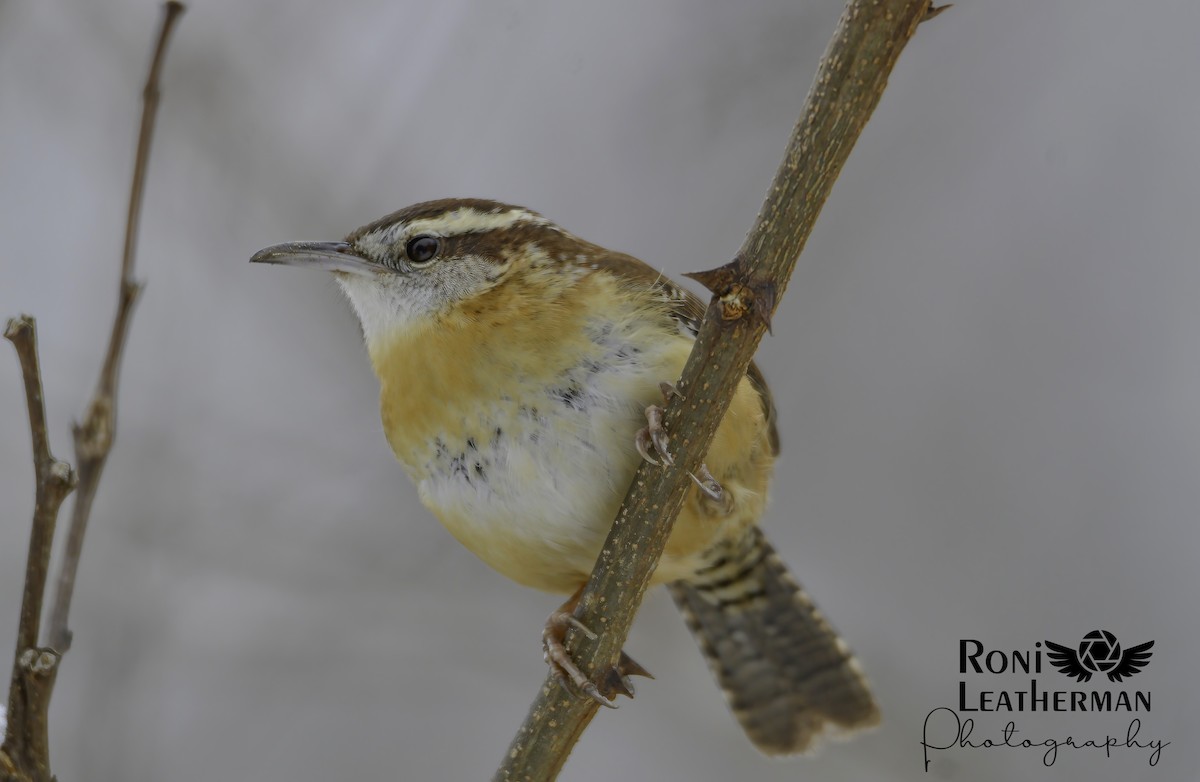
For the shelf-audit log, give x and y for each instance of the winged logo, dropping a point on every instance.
(1099, 652)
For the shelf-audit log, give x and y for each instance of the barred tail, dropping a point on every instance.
(785, 671)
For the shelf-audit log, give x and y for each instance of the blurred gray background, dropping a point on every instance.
(986, 367)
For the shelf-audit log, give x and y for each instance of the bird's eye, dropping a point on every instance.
(422, 249)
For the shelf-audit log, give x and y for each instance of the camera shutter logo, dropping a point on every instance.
(1099, 652)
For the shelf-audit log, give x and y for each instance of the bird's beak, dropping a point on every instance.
(328, 256)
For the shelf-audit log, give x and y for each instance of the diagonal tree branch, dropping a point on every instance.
(849, 83)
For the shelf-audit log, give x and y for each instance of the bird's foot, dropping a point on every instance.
(613, 682)
(559, 659)
(713, 494)
(708, 484)
(652, 438)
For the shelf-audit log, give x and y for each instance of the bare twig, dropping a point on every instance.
(26, 740)
(851, 79)
(25, 752)
(94, 436)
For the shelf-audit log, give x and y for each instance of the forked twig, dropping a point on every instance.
(25, 751)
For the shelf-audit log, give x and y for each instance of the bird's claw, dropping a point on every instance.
(559, 659)
(615, 680)
(652, 439)
(708, 484)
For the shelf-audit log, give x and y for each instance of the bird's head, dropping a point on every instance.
(414, 267)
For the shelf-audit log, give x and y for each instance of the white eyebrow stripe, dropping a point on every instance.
(460, 221)
(469, 220)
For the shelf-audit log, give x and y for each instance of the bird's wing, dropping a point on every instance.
(1065, 659)
(687, 309)
(1132, 661)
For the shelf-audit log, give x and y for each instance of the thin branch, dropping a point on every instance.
(26, 740)
(25, 752)
(851, 79)
(94, 437)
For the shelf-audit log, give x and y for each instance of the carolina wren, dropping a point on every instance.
(520, 368)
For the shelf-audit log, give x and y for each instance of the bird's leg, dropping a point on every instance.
(616, 679)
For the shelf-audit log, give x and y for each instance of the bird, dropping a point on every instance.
(521, 372)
